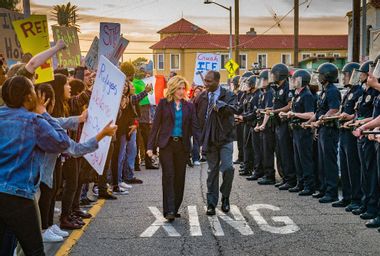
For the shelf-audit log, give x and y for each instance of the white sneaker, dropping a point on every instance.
(120, 191)
(59, 232)
(197, 163)
(125, 185)
(49, 237)
(57, 210)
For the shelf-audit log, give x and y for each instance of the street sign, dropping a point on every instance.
(231, 66)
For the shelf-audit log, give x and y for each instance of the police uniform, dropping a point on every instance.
(328, 144)
(240, 129)
(284, 145)
(348, 152)
(267, 137)
(303, 102)
(367, 155)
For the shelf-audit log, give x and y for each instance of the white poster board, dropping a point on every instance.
(203, 63)
(91, 59)
(119, 50)
(103, 108)
(109, 36)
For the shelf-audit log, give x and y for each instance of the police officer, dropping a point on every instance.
(239, 125)
(281, 103)
(246, 165)
(266, 128)
(252, 142)
(366, 148)
(348, 151)
(328, 106)
(302, 111)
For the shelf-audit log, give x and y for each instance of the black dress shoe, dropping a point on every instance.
(245, 173)
(327, 200)
(374, 223)
(255, 176)
(341, 203)
(170, 216)
(351, 207)
(107, 196)
(306, 192)
(359, 211)
(295, 189)
(318, 194)
(367, 216)
(286, 186)
(279, 184)
(266, 181)
(210, 210)
(225, 204)
(177, 215)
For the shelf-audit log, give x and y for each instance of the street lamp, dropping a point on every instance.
(230, 10)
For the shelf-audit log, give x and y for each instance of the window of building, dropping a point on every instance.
(243, 61)
(306, 56)
(321, 55)
(336, 55)
(175, 61)
(262, 60)
(160, 61)
(223, 60)
(286, 58)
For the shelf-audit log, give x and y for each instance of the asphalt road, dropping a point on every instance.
(265, 221)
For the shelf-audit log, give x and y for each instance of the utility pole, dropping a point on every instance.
(26, 7)
(296, 32)
(364, 30)
(356, 30)
(237, 41)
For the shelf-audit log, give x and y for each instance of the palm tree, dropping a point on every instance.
(9, 4)
(66, 15)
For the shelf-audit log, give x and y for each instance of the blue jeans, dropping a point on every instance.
(127, 156)
(196, 155)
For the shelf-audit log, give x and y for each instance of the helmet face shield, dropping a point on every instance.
(271, 78)
(355, 78)
(295, 83)
(344, 78)
(315, 80)
(243, 85)
(376, 71)
(262, 83)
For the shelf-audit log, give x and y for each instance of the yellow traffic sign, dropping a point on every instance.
(231, 75)
(231, 66)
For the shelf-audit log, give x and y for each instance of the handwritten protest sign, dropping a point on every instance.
(10, 47)
(103, 108)
(71, 56)
(205, 62)
(91, 59)
(108, 38)
(119, 50)
(33, 35)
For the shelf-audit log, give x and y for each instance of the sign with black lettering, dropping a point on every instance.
(10, 47)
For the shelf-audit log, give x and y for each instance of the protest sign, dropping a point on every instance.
(10, 47)
(103, 108)
(119, 50)
(109, 36)
(33, 35)
(91, 59)
(70, 57)
(205, 62)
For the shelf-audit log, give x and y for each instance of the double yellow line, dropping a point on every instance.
(76, 234)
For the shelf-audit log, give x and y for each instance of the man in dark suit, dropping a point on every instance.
(215, 112)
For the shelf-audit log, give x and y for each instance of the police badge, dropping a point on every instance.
(281, 92)
(368, 98)
(350, 96)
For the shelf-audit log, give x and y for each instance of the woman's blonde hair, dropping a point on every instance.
(173, 84)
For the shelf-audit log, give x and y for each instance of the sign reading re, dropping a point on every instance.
(30, 28)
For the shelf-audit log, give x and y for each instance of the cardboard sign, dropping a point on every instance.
(33, 35)
(91, 59)
(203, 63)
(103, 108)
(71, 56)
(119, 50)
(108, 39)
(10, 47)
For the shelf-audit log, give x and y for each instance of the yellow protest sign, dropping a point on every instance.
(231, 66)
(33, 35)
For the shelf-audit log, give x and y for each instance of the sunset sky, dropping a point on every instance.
(140, 20)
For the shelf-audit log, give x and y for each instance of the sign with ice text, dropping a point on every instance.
(10, 47)
(205, 62)
(71, 56)
(103, 108)
(33, 35)
(109, 36)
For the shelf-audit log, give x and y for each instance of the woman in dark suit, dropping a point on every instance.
(174, 123)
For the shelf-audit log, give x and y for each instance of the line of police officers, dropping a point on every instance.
(305, 122)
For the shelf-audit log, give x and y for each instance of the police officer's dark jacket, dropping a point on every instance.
(330, 99)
